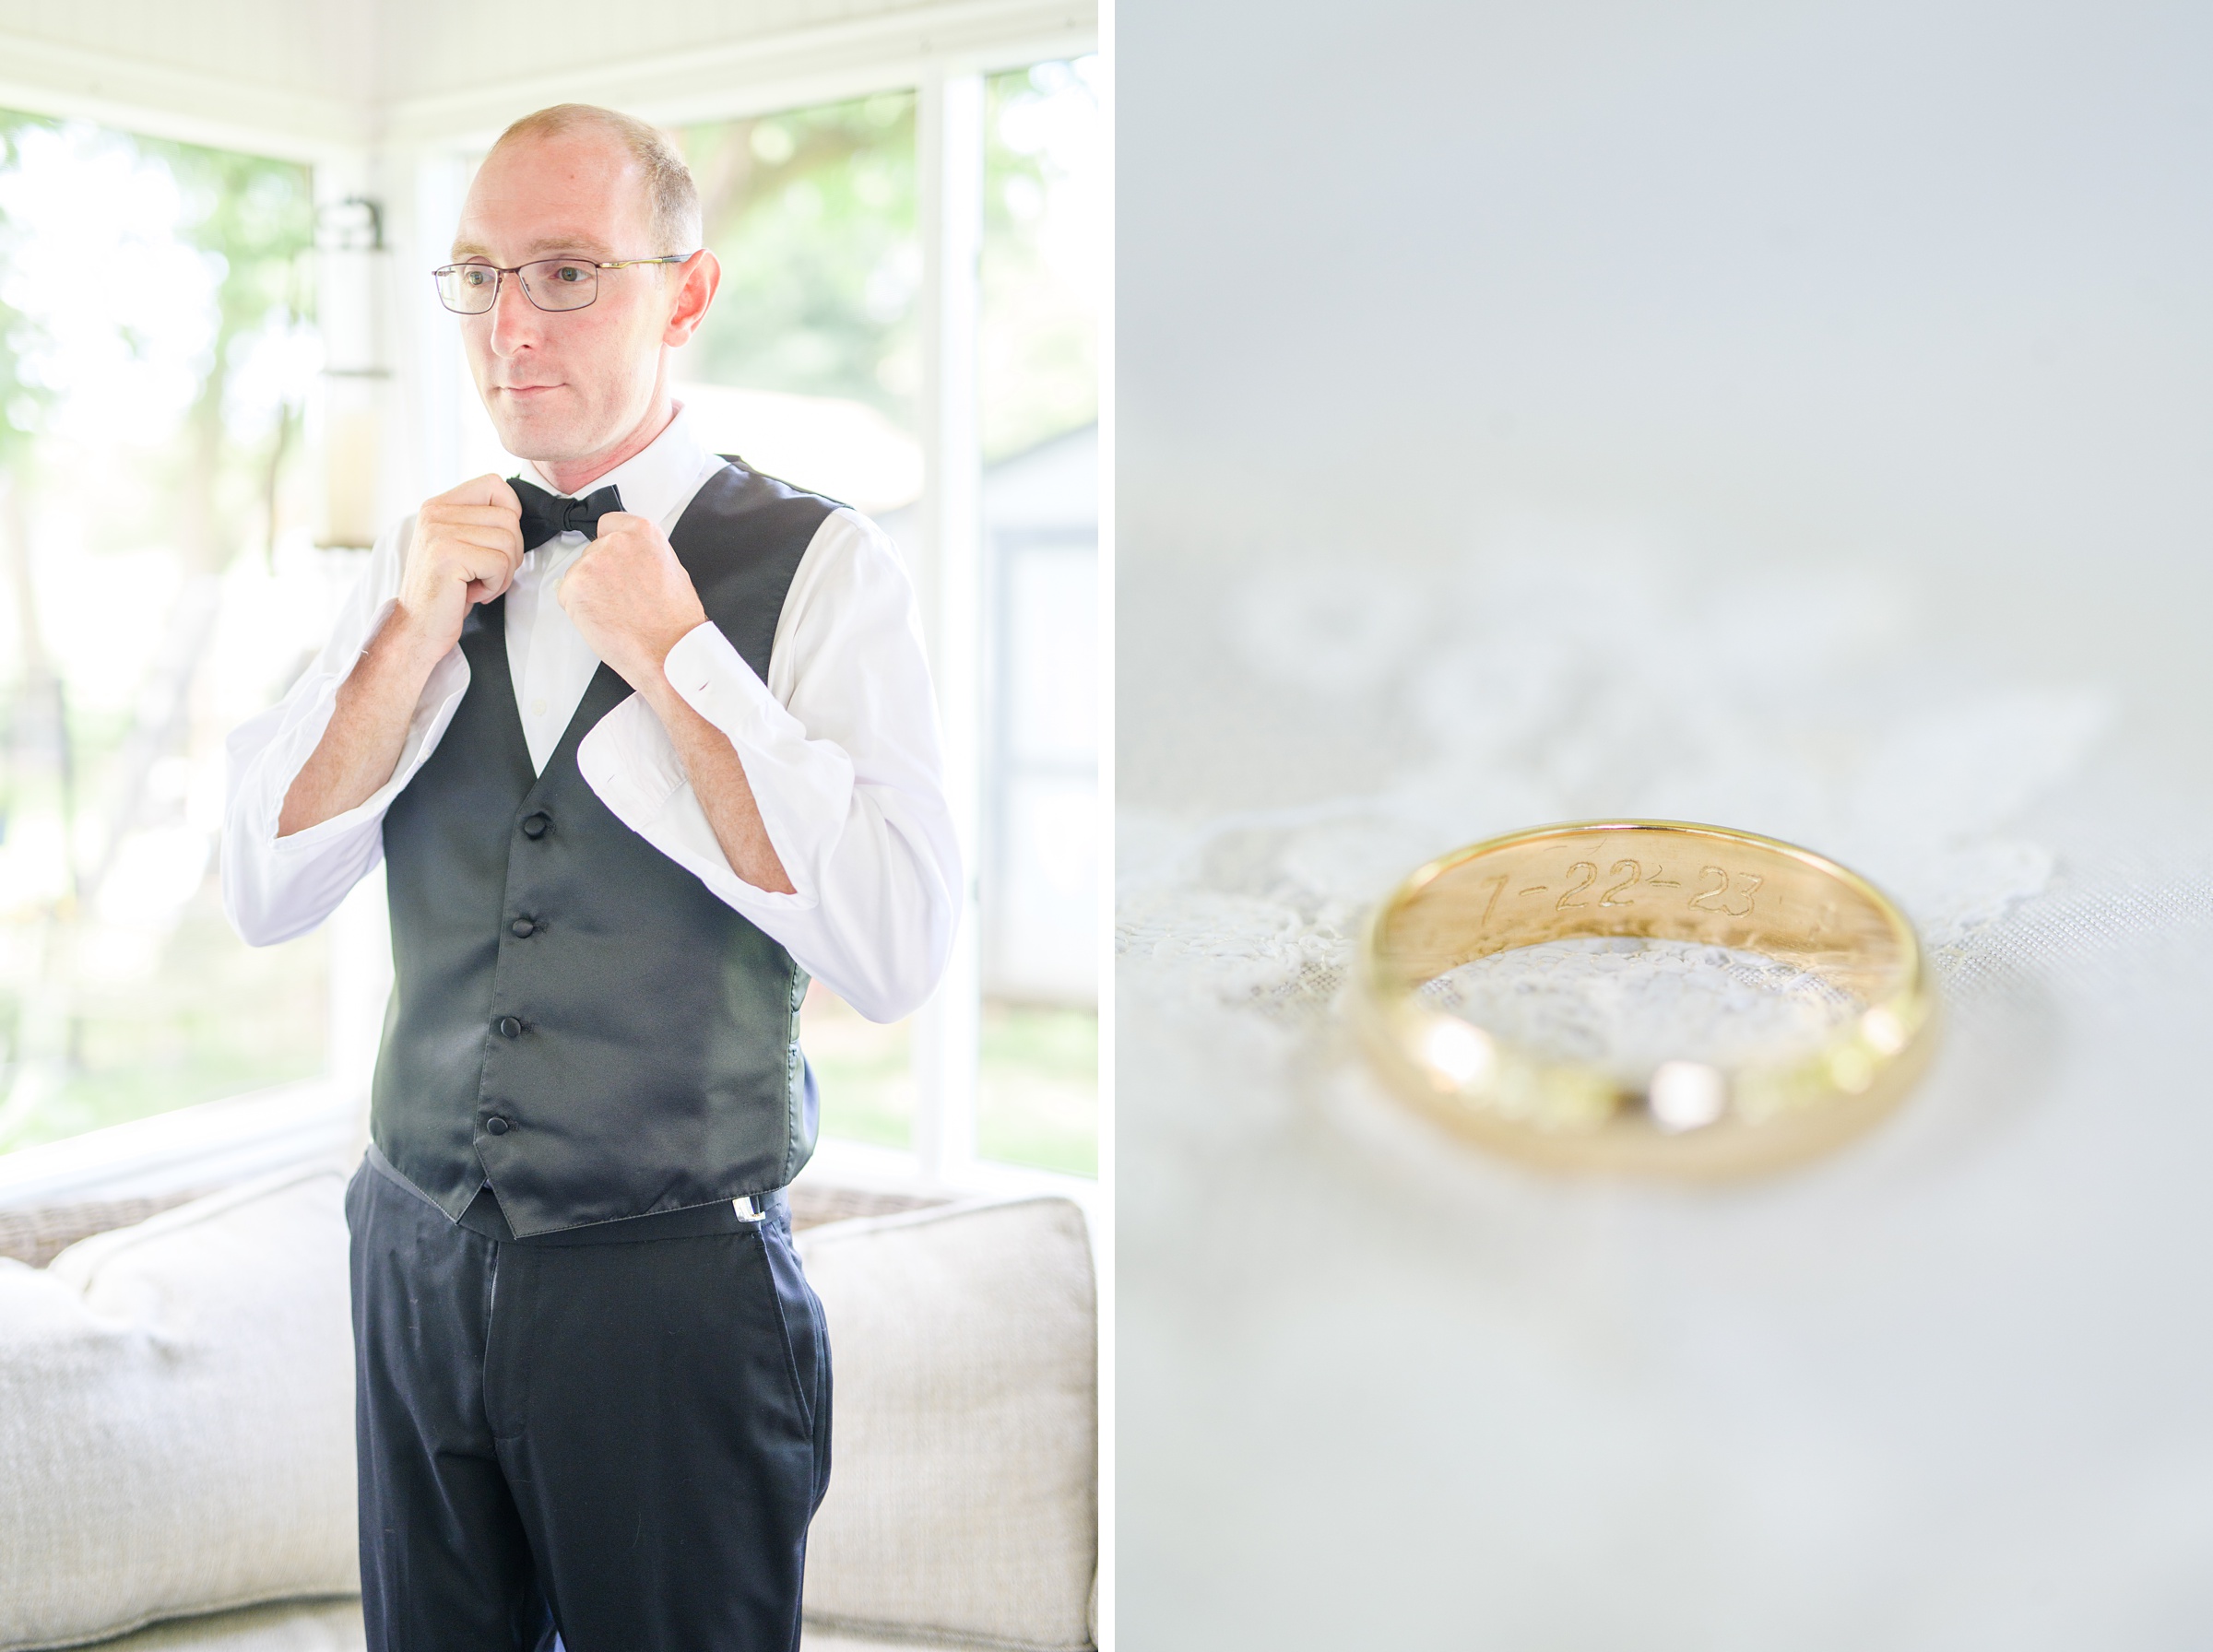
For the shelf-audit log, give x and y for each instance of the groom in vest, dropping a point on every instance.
(644, 739)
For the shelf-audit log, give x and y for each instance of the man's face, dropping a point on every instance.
(564, 386)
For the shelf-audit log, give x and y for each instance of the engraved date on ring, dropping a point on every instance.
(1717, 894)
(1624, 873)
(1730, 893)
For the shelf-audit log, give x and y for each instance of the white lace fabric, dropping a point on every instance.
(1631, 702)
(1625, 1005)
(1860, 1404)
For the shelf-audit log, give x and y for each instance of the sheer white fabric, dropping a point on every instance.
(1901, 1398)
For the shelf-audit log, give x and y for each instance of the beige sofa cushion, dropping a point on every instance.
(961, 1505)
(336, 1626)
(176, 1430)
(176, 1421)
(290, 1627)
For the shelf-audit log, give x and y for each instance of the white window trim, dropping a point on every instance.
(190, 1150)
(215, 1144)
(949, 157)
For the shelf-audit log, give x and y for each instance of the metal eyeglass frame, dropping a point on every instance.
(500, 271)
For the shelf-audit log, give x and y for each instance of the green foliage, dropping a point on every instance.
(1039, 372)
(1038, 1088)
(813, 214)
(812, 217)
(1038, 1082)
(219, 1019)
(255, 217)
(103, 1042)
(22, 401)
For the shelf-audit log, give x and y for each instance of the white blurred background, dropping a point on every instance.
(1915, 287)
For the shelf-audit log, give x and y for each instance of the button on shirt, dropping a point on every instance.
(839, 744)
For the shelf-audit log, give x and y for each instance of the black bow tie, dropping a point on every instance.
(547, 516)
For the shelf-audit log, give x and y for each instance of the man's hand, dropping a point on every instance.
(467, 544)
(632, 600)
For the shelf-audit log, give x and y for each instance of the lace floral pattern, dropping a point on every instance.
(1759, 706)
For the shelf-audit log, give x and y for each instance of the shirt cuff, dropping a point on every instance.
(707, 668)
(630, 764)
(802, 787)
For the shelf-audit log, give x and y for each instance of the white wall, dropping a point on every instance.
(297, 75)
(430, 48)
(309, 79)
(1924, 285)
(267, 44)
(451, 71)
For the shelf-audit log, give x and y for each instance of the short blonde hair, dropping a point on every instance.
(674, 198)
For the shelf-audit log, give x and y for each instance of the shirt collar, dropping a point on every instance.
(652, 482)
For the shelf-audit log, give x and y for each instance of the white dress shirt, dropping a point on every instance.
(840, 745)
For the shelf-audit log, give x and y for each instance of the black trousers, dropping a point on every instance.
(620, 1442)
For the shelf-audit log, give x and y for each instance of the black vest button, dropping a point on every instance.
(495, 1125)
(509, 1027)
(522, 928)
(535, 826)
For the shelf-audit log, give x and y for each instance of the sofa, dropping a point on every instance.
(176, 1445)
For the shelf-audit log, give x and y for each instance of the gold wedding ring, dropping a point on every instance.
(1659, 880)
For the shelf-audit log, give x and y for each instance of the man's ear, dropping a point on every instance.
(697, 280)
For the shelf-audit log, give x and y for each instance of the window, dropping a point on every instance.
(151, 453)
(811, 365)
(808, 368)
(1043, 255)
(156, 350)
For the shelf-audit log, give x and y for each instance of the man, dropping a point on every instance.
(644, 740)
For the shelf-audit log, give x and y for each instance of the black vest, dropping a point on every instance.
(573, 1016)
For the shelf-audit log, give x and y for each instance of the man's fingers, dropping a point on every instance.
(488, 489)
(477, 539)
(485, 527)
(561, 586)
(476, 563)
(475, 515)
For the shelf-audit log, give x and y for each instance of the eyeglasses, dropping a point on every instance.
(549, 283)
